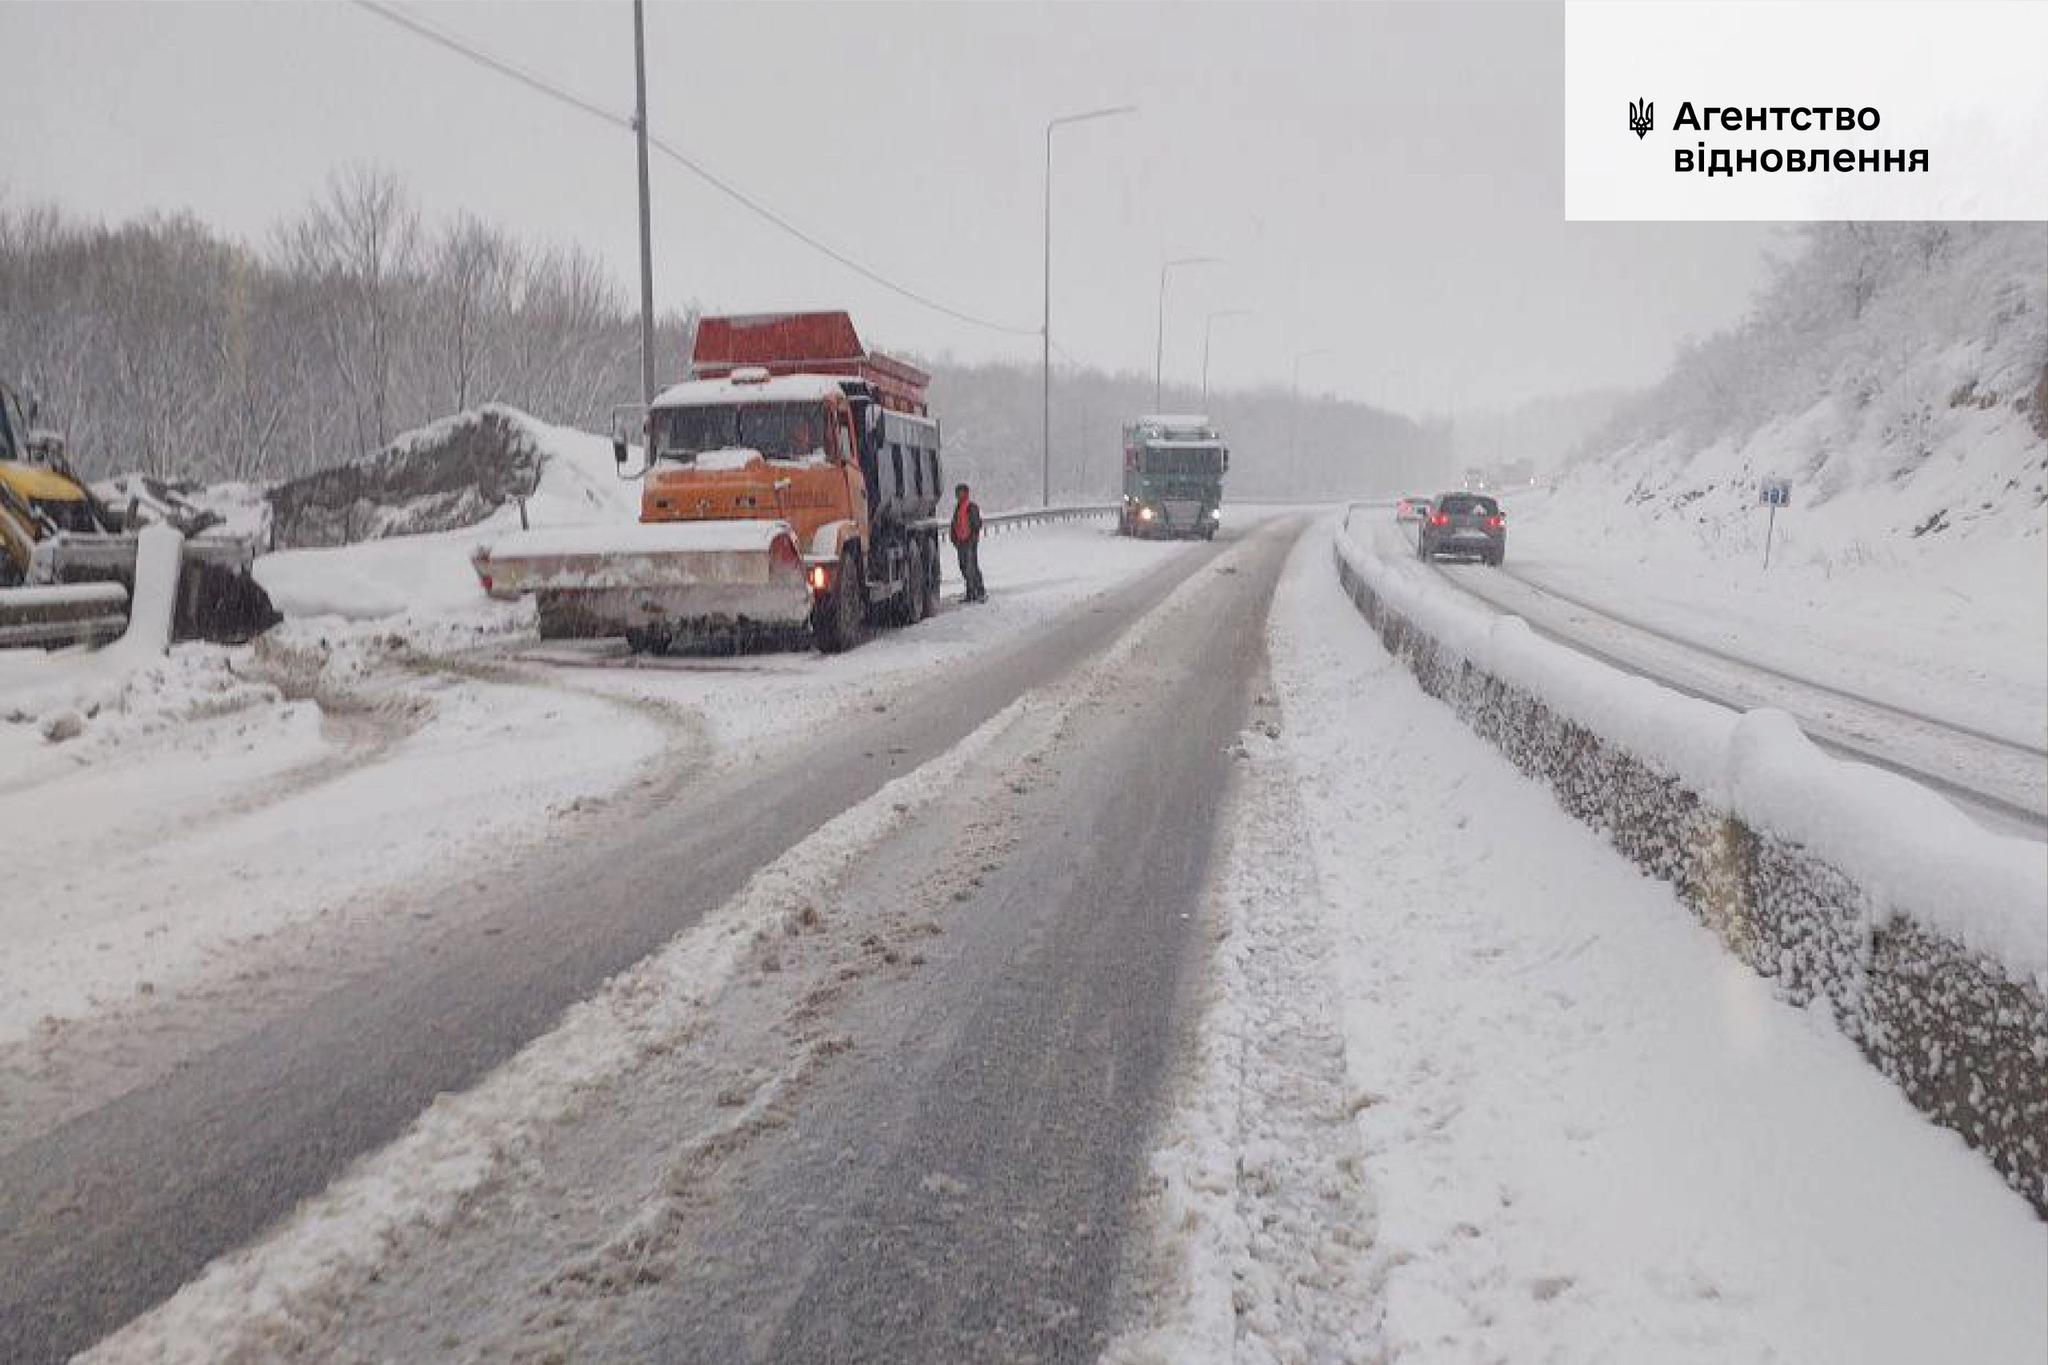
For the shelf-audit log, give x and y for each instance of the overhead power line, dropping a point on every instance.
(538, 84)
(543, 86)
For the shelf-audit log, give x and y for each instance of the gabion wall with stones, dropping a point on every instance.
(1966, 1043)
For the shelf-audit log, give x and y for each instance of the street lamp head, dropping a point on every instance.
(1110, 112)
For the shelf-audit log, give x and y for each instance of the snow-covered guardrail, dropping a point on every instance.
(1008, 521)
(1922, 932)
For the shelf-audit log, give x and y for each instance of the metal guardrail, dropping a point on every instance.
(1006, 521)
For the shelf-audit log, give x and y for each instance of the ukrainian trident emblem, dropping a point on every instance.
(1639, 117)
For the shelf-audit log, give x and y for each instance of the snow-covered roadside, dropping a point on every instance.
(1588, 1134)
(1905, 849)
(1961, 635)
(1258, 1224)
(170, 848)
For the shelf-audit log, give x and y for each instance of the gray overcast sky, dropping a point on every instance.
(1385, 179)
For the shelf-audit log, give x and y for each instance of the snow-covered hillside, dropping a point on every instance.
(1896, 373)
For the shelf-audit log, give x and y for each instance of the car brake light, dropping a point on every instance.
(1440, 520)
(782, 553)
(821, 577)
(1495, 522)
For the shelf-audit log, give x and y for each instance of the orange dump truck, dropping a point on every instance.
(793, 480)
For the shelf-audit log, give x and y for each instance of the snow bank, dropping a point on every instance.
(36, 685)
(1924, 932)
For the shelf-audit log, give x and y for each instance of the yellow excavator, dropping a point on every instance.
(68, 561)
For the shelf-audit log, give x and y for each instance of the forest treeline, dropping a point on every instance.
(160, 345)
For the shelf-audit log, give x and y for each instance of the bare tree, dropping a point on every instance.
(360, 240)
(474, 278)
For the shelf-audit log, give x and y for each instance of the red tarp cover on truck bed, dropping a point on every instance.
(803, 343)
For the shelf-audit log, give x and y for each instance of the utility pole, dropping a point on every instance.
(1045, 345)
(1045, 320)
(646, 222)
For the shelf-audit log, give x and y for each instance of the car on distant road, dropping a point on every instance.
(1469, 524)
(1411, 509)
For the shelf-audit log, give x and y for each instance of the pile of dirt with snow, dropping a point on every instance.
(456, 473)
(1896, 373)
(409, 553)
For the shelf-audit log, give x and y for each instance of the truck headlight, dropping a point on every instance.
(1215, 514)
(1144, 514)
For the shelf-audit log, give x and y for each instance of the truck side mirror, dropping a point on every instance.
(627, 418)
(1226, 459)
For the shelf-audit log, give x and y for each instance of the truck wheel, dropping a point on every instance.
(836, 620)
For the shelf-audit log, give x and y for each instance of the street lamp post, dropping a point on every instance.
(646, 226)
(1159, 348)
(1294, 395)
(1045, 321)
(1208, 331)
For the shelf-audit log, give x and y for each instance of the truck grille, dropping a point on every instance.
(1182, 513)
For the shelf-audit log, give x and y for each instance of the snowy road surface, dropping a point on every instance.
(903, 1126)
(1137, 995)
(109, 1209)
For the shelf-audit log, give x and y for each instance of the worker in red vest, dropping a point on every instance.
(967, 542)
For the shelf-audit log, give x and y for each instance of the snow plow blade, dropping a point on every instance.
(653, 583)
